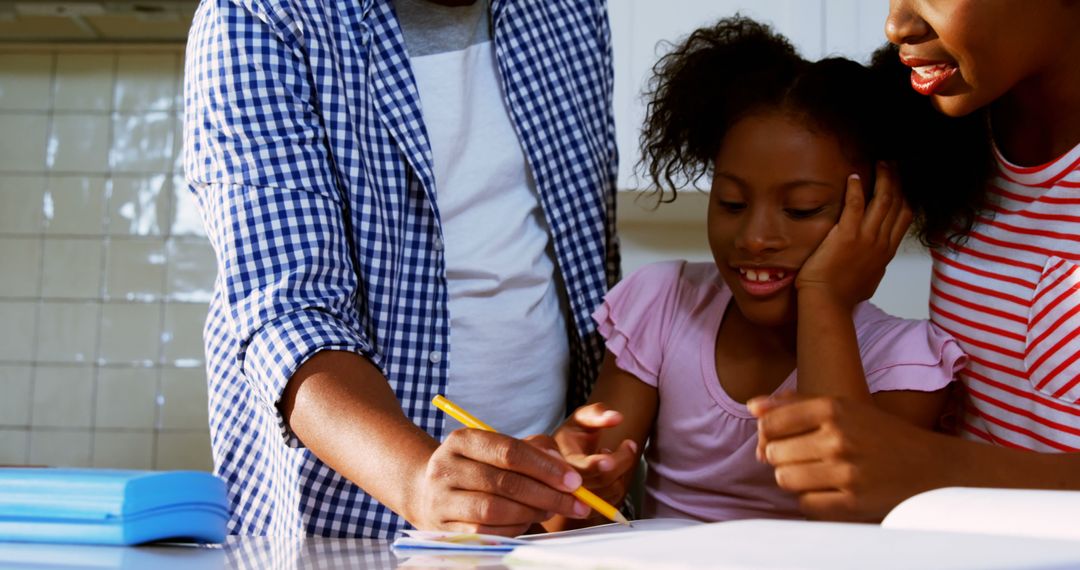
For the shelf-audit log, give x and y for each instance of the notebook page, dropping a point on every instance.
(606, 531)
(1016, 512)
(775, 544)
(464, 542)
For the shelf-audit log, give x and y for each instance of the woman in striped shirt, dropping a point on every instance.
(1007, 287)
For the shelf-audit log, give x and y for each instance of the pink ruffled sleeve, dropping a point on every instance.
(901, 354)
(634, 317)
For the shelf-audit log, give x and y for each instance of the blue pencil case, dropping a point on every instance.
(103, 506)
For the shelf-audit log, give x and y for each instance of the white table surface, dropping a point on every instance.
(238, 553)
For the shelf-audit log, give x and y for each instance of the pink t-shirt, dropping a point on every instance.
(661, 324)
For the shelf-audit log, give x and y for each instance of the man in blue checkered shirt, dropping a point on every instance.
(405, 199)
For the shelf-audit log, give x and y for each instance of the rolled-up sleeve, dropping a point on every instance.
(257, 162)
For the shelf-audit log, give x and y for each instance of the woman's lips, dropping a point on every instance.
(928, 76)
(928, 79)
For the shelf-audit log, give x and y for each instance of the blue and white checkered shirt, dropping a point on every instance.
(308, 157)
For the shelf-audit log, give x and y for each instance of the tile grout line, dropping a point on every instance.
(166, 226)
(40, 302)
(105, 251)
(121, 174)
(64, 429)
(182, 238)
(126, 365)
(90, 301)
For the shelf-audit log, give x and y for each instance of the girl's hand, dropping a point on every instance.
(603, 471)
(850, 262)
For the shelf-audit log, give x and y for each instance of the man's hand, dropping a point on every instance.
(847, 460)
(342, 408)
(479, 481)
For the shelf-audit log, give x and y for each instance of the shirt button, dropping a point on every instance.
(435, 357)
(437, 244)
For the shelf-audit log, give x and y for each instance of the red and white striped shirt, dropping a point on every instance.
(1011, 297)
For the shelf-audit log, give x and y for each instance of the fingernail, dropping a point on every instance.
(605, 450)
(572, 480)
(633, 446)
(581, 509)
(554, 453)
(609, 414)
(605, 464)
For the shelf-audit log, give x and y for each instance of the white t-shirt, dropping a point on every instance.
(509, 349)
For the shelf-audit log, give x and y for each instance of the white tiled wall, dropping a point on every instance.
(105, 271)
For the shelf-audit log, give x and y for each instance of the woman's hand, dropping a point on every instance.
(605, 472)
(848, 460)
(484, 482)
(850, 262)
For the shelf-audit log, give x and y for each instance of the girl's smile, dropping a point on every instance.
(765, 281)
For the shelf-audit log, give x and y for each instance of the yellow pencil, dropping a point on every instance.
(584, 495)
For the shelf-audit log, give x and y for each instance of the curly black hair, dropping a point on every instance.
(721, 74)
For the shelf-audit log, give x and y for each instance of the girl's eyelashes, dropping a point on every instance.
(793, 213)
(731, 207)
(736, 206)
(803, 213)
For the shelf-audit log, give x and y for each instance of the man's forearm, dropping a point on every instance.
(342, 408)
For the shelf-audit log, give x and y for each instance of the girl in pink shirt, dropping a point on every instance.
(788, 144)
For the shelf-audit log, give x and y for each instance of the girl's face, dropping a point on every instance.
(968, 53)
(777, 190)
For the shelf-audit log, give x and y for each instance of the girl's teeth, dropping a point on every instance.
(762, 275)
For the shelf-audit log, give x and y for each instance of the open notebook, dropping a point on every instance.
(948, 528)
(454, 542)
